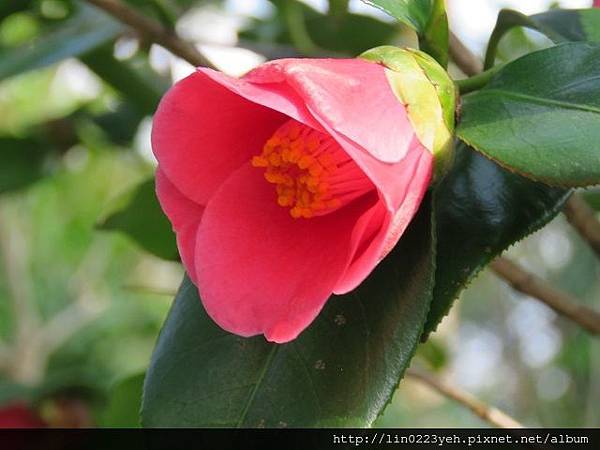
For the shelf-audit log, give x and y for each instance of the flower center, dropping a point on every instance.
(312, 174)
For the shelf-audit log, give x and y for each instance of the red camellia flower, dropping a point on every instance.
(290, 184)
(19, 415)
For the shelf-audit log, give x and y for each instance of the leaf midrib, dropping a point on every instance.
(539, 100)
(267, 364)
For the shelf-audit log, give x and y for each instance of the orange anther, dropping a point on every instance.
(302, 179)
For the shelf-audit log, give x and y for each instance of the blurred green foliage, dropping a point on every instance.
(80, 309)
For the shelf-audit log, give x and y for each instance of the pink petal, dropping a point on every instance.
(202, 132)
(380, 230)
(373, 127)
(352, 96)
(261, 271)
(393, 181)
(185, 216)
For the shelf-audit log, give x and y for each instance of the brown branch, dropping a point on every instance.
(153, 31)
(463, 57)
(583, 219)
(491, 415)
(578, 213)
(559, 301)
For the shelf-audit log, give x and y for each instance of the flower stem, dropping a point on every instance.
(478, 81)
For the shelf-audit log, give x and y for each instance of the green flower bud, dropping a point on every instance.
(429, 95)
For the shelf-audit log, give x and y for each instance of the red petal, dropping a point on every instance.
(261, 271)
(185, 217)
(202, 132)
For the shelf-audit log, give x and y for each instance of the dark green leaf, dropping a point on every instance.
(560, 25)
(120, 125)
(88, 29)
(427, 17)
(341, 371)
(414, 13)
(142, 220)
(22, 162)
(481, 210)
(539, 115)
(124, 401)
(436, 35)
(8, 7)
(434, 353)
(350, 34)
(338, 8)
(139, 85)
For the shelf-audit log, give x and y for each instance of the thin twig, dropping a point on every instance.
(491, 415)
(559, 301)
(153, 31)
(579, 215)
(463, 57)
(583, 219)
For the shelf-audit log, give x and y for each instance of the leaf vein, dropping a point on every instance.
(538, 100)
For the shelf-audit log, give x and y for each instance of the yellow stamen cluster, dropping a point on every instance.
(299, 161)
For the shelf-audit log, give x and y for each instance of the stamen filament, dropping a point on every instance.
(312, 173)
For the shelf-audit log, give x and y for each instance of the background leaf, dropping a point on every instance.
(481, 210)
(143, 220)
(592, 197)
(414, 13)
(124, 399)
(137, 83)
(435, 37)
(427, 17)
(341, 371)
(544, 127)
(23, 162)
(560, 25)
(350, 34)
(86, 30)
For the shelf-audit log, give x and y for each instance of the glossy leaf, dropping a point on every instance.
(23, 162)
(560, 25)
(141, 218)
(341, 371)
(86, 30)
(435, 37)
(414, 13)
(544, 127)
(482, 209)
(427, 17)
